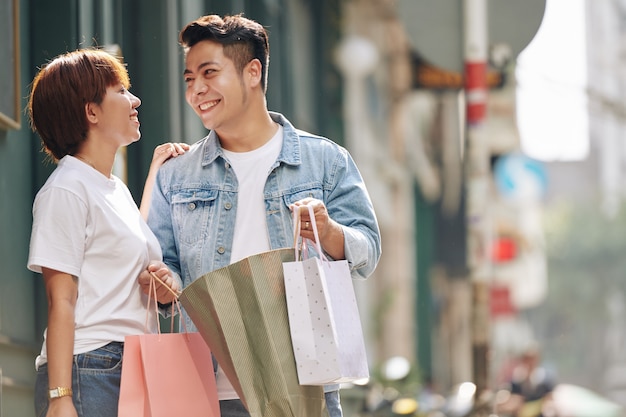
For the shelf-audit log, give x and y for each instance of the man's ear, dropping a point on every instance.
(253, 72)
(90, 112)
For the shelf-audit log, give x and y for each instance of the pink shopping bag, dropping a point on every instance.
(167, 374)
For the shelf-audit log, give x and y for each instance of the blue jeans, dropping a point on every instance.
(234, 408)
(96, 379)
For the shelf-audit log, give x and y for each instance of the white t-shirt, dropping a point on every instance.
(251, 234)
(88, 226)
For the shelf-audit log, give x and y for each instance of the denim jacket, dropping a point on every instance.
(194, 203)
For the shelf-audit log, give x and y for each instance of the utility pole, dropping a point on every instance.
(477, 181)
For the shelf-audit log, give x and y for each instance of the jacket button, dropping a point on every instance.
(228, 206)
(221, 250)
(191, 206)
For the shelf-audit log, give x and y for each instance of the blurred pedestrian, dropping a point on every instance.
(530, 387)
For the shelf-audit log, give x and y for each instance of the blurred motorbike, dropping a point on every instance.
(565, 400)
(396, 394)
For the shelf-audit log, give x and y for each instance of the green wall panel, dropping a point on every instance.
(47, 29)
(144, 45)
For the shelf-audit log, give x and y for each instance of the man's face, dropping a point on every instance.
(215, 89)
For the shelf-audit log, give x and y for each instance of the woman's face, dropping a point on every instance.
(118, 116)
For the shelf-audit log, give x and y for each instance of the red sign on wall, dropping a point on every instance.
(500, 301)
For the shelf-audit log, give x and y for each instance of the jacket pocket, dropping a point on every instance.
(192, 211)
(301, 194)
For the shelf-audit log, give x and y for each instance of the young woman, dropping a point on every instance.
(89, 239)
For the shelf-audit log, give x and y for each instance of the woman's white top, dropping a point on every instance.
(89, 226)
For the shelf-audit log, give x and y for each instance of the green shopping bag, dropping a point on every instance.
(241, 312)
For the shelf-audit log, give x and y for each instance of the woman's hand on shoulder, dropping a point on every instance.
(161, 154)
(168, 150)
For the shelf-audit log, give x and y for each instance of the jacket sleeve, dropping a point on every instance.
(349, 204)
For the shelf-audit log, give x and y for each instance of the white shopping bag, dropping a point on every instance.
(324, 319)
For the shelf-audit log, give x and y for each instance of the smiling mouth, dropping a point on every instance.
(208, 105)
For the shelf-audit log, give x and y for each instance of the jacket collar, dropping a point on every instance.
(289, 154)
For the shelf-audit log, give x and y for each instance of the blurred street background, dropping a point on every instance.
(492, 138)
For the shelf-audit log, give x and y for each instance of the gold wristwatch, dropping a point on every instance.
(59, 392)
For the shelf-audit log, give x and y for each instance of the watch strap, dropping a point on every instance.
(59, 392)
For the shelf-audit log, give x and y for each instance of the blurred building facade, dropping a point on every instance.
(598, 180)
(606, 83)
(595, 182)
(426, 117)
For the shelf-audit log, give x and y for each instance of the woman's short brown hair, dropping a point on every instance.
(60, 91)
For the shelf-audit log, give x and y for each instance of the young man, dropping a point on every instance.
(231, 195)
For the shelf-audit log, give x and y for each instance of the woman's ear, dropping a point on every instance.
(90, 112)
